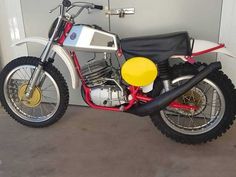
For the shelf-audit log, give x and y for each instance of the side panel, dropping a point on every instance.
(89, 39)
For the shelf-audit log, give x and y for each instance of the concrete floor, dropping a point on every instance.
(92, 143)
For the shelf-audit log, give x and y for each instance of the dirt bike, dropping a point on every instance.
(190, 102)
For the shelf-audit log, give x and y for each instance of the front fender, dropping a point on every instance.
(62, 53)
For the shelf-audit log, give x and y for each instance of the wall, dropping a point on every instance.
(201, 18)
(228, 37)
(11, 30)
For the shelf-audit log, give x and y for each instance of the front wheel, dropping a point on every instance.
(214, 97)
(49, 99)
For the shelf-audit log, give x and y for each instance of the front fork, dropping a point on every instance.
(33, 81)
(38, 70)
(37, 74)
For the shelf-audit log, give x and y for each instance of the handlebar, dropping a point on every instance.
(98, 7)
(66, 6)
(66, 3)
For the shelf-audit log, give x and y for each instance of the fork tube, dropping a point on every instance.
(49, 44)
(44, 57)
(32, 84)
(44, 75)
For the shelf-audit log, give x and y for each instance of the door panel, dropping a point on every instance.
(11, 30)
(228, 36)
(200, 18)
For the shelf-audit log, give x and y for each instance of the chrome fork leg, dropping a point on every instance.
(43, 78)
(35, 78)
(37, 72)
(44, 57)
(33, 82)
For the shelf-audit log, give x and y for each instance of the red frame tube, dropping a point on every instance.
(133, 91)
(208, 50)
(135, 95)
(191, 59)
(67, 29)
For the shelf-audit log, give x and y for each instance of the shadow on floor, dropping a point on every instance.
(92, 143)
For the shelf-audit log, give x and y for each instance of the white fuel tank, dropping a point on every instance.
(86, 38)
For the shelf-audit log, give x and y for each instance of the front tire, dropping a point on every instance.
(41, 110)
(216, 126)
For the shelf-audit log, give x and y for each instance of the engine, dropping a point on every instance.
(104, 83)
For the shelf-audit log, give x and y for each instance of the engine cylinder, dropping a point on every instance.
(94, 72)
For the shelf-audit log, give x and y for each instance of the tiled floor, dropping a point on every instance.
(91, 143)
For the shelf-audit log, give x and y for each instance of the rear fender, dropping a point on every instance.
(201, 45)
(62, 53)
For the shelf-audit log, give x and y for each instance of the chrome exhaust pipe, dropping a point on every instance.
(166, 98)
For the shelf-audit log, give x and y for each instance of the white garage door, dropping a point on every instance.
(228, 36)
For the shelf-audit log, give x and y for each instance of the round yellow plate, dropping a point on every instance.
(34, 101)
(139, 71)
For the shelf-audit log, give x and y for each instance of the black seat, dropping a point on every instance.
(158, 47)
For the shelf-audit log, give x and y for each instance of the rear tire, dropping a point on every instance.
(57, 77)
(227, 89)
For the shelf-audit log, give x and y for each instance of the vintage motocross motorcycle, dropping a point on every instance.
(190, 102)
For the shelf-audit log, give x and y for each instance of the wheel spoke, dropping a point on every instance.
(31, 110)
(19, 75)
(25, 70)
(47, 87)
(201, 120)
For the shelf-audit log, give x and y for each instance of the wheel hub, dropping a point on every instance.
(194, 97)
(35, 99)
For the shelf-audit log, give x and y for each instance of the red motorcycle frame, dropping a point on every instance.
(134, 91)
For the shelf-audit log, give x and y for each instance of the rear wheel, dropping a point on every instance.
(214, 97)
(49, 99)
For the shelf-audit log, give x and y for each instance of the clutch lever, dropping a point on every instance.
(52, 10)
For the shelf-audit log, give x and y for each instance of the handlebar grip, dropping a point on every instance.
(98, 7)
(66, 3)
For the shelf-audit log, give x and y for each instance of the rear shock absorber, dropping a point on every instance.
(164, 74)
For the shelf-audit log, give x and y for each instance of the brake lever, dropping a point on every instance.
(52, 10)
